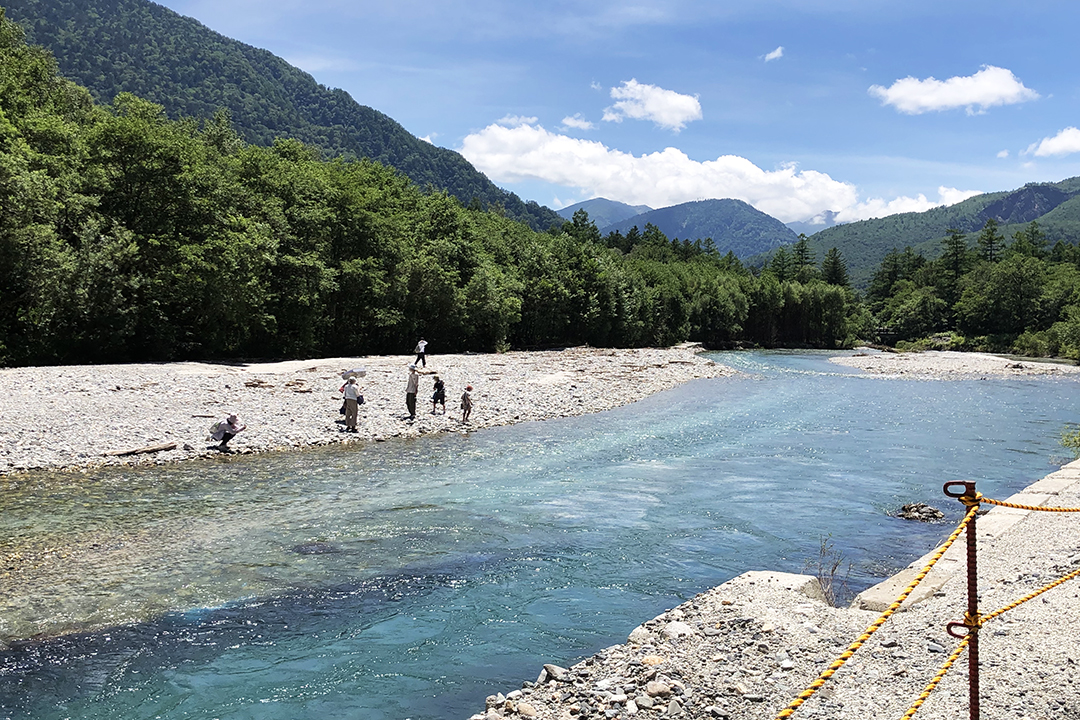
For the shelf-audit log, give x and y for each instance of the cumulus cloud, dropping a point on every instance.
(775, 54)
(879, 207)
(1065, 142)
(989, 87)
(1003, 154)
(429, 139)
(639, 101)
(527, 151)
(577, 122)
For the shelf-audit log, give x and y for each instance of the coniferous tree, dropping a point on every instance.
(990, 241)
(781, 265)
(834, 269)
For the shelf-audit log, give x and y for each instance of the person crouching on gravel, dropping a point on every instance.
(225, 430)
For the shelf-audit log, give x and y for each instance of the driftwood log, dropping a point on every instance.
(140, 451)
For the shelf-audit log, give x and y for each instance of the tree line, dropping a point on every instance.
(985, 292)
(126, 236)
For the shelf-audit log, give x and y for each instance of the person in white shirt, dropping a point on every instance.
(225, 430)
(421, 352)
(353, 396)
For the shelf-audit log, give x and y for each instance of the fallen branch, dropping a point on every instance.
(147, 449)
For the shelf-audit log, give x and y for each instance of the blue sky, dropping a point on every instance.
(863, 108)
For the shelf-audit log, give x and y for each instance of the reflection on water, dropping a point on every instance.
(414, 578)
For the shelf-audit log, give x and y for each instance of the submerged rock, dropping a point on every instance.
(315, 548)
(920, 512)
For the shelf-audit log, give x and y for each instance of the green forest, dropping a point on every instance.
(126, 235)
(117, 46)
(983, 292)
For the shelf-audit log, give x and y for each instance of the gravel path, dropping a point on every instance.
(745, 649)
(71, 416)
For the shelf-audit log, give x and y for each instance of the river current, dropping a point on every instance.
(411, 579)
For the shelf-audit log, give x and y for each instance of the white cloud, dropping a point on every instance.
(515, 120)
(528, 151)
(639, 101)
(1065, 142)
(989, 87)
(577, 122)
(1003, 154)
(878, 207)
(429, 139)
(775, 54)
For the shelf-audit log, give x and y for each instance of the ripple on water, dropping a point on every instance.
(344, 583)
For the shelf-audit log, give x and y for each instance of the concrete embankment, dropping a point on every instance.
(744, 649)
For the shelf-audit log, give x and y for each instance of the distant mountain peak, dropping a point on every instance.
(604, 212)
(733, 225)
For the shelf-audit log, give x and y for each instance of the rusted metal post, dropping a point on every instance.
(972, 620)
(972, 611)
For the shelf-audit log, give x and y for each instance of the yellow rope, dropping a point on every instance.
(839, 662)
(1002, 503)
(953, 657)
(975, 624)
(1030, 596)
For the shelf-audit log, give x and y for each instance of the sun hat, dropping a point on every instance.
(468, 387)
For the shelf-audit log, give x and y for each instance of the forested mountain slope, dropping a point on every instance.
(1056, 207)
(733, 225)
(136, 46)
(604, 212)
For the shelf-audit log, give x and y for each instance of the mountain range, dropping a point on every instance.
(604, 212)
(136, 46)
(863, 244)
(733, 225)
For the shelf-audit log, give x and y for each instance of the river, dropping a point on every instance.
(410, 579)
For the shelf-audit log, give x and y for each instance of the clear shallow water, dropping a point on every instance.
(412, 579)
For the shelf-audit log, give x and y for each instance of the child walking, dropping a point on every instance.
(439, 396)
(466, 404)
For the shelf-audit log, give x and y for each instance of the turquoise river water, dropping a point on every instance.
(411, 579)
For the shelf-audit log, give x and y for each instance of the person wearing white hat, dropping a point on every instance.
(352, 403)
(225, 430)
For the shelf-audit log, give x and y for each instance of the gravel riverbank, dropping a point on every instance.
(944, 365)
(745, 649)
(71, 416)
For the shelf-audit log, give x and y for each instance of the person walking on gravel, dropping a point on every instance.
(421, 352)
(411, 388)
(438, 396)
(466, 404)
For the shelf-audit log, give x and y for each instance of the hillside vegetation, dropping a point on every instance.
(138, 47)
(1056, 207)
(125, 235)
(604, 212)
(732, 225)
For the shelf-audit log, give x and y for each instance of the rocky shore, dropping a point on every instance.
(745, 649)
(73, 416)
(944, 365)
